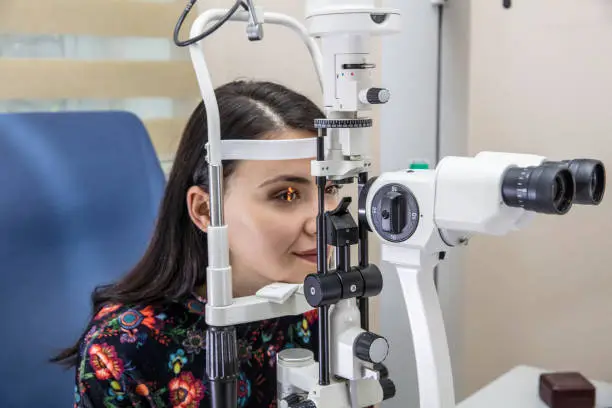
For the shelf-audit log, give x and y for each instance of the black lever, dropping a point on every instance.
(342, 206)
(507, 4)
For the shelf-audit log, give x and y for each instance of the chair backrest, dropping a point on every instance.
(79, 194)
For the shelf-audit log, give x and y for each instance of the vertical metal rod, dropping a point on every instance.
(364, 303)
(324, 360)
(222, 350)
(343, 258)
(215, 175)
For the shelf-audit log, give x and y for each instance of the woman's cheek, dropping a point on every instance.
(260, 232)
(278, 230)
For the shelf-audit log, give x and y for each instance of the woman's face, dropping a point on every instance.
(271, 209)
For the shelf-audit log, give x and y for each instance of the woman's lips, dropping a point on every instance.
(309, 258)
(311, 255)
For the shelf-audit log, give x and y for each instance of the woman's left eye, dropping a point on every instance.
(333, 189)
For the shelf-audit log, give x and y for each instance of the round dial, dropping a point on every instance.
(394, 212)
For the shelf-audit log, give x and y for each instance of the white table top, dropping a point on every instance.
(518, 388)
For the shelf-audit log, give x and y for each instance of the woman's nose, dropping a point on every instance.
(311, 225)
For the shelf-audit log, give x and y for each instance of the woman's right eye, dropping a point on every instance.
(288, 195)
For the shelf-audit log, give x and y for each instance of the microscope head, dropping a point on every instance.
(492, 193)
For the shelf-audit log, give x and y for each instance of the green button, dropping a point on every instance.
(419, 166)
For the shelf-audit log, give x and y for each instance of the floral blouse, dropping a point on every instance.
(146, 356)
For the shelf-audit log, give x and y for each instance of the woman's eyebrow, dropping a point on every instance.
(287, 179)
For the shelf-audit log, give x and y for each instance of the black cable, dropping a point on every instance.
(208, 32)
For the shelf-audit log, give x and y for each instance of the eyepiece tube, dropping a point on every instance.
(543, 189)
(590, 177)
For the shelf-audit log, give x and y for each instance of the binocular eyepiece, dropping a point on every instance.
(590, 178)
(553, 187)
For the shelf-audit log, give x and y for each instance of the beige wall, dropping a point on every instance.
(541, 82)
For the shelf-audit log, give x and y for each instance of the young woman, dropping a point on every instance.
(144, 346)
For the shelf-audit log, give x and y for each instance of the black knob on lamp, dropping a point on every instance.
(375, 96)
(322, 290)
(371, 348)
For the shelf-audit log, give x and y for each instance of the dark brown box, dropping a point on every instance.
(566, 390)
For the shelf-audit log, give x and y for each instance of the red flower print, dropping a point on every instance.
(142, 389)
(131, 319)
(186, 391)
(103, 358)
(106, 310)
(312, 316)
(149, 317)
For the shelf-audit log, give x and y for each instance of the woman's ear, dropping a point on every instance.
(198, 205)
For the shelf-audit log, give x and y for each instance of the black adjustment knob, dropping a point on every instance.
(375, 96)
(321, 290)
(371, 348)
(393, 212)
(373, 280)
(388, 388)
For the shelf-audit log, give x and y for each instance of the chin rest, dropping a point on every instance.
(79, 197)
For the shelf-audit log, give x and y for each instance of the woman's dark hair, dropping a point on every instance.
(175, 262)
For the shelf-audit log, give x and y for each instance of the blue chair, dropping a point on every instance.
(79, 195)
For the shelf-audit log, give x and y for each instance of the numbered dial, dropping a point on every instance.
(342, 123)
(395, 212)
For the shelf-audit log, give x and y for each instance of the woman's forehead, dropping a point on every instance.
(260, 171)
